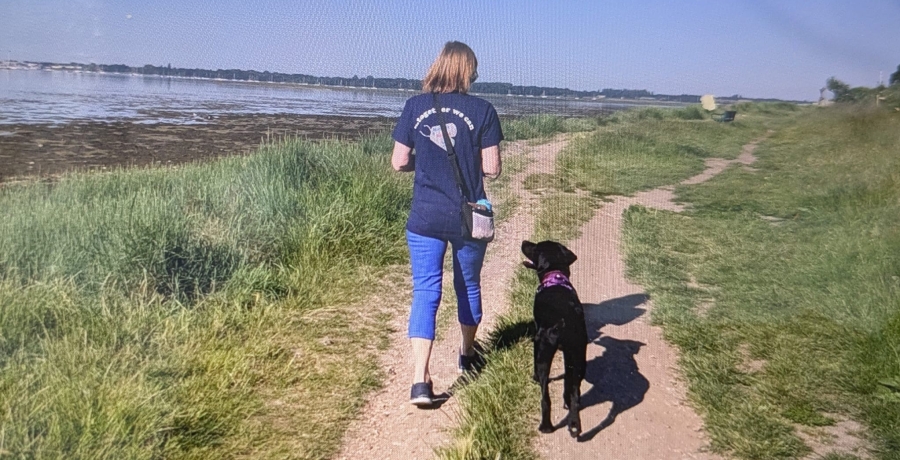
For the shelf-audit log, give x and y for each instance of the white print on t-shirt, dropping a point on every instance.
(437, 136)
(422, 117)
(464, 117)
(431, 111)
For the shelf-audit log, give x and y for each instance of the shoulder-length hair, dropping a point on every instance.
(453, 70)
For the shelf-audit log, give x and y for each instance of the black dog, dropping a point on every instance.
(559, 318)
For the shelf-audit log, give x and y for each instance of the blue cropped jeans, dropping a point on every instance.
(426, 256)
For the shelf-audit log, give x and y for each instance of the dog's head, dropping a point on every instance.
(547, 256)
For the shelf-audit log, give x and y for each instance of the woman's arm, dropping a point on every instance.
(490, 162)
(402, 159)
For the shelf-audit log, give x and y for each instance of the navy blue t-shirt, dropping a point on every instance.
(472, 125)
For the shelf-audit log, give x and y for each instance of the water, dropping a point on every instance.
(35, 96)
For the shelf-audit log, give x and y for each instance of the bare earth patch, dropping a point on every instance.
(749, 364)
(844, 437)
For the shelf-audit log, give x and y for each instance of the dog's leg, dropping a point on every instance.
(543, 358)
(575, 363)
(546, 426)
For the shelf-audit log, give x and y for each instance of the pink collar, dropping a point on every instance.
(555, 278)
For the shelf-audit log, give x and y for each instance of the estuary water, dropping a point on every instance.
(40, 97)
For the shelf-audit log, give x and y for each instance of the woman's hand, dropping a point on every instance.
(402, 159)
(490, 162)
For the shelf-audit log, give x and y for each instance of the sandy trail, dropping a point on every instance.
(633, 401)
(388, 426)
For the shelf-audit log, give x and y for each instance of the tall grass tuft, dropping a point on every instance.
(767, 108)
(186, 231)
(153, 313)
(544, 126)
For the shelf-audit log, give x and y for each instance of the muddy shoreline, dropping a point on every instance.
(48, 150)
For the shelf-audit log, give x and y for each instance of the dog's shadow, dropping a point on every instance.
(618, 312)
(614, 375)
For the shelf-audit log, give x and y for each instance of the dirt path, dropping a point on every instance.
(633, 401)
(389, 427)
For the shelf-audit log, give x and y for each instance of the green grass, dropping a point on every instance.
(797, 264)
(781, 287)
(771, 109)
(209, 310)
(184, 313)
(648, 148)
(542, 127)
(500, 408)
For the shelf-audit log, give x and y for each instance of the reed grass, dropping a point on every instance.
(157, 313)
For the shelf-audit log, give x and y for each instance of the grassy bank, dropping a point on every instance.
(212, 310)
(644, 149)
(781, 289)
(204, 311)
(625, 153)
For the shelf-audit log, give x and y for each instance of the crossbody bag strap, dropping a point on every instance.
(451, 152)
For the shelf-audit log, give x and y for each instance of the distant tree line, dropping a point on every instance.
(376, 82)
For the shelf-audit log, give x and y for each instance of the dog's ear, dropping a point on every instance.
(528, 249)
(568, 255)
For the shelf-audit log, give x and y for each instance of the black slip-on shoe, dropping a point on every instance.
(421, 395)
(467, 363)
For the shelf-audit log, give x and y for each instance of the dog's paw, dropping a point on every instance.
(575, 428)
(546, 428)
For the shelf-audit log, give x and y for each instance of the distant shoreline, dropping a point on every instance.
(358, 88)
(492, 89)
(56, 96)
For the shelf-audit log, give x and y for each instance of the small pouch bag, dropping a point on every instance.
(477, 218)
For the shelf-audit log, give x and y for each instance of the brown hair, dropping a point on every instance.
(452, 70)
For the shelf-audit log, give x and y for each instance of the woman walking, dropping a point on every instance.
(435, 219)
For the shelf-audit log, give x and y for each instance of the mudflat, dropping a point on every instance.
(48, 150)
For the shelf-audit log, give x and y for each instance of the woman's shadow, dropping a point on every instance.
(614, 375)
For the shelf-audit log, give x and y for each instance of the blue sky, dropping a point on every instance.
(756, 48)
